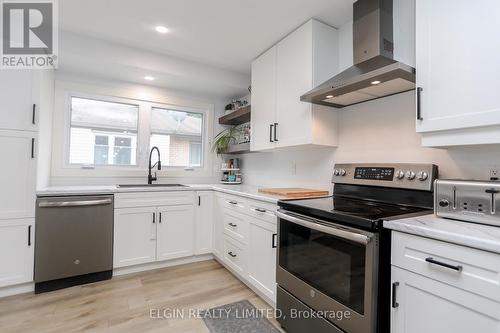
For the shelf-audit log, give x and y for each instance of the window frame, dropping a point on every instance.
(62, 168)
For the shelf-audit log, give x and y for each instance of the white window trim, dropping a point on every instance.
(61, 137)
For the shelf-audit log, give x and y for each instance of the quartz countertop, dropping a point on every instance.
(247, 191)
(479, 236)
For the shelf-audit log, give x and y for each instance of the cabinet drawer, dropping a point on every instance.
(235, 225)
(232, 202)
(262, 210)
(234, 254)
(153, 199)
(462, 267)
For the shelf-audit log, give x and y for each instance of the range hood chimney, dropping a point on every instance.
(375, 73)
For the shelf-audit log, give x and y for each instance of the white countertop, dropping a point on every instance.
(479, 236)
(241, 190)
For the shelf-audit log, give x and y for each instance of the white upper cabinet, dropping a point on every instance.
(18, 107)
(263, 100)
(18, 174)
(457, 70)
(304, 59)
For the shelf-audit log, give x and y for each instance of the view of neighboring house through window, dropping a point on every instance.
(103, 133)
(178, 135)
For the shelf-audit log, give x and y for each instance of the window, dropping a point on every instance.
(103, 133)
(178, 135)
(116, 133)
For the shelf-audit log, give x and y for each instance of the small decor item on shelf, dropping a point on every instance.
(231, 172)
(235, 105)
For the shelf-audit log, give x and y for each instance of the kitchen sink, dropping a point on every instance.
(150, 185)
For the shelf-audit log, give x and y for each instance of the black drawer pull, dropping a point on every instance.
(260, 210)
(159, 217)
(232, 254)
(232, 224)
(457, 268)
(492, 191)
(273, 241)
(154, 217)
(395, 304)
(32, 147)
(419, 103)
(33, 119)
(275, 129)
(233, 202)
(271, 133)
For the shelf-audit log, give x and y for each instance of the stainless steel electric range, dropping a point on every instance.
(333, 269)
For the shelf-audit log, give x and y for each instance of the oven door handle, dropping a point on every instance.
(331, 230)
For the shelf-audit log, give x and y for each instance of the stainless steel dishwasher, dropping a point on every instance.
(73, 241)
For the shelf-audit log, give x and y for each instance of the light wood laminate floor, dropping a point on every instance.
(123, 303)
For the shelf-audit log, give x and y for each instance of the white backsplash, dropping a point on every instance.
(378, 131)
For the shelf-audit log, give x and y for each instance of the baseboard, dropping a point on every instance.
(17, 289)
(246, 282)
(161, 264)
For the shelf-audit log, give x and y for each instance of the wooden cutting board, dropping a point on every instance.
(294, 192)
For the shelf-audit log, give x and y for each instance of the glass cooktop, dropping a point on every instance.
(348, 210)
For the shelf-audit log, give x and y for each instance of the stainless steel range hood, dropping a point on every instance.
(375, 73)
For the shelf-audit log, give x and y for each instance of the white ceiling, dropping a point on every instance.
(222, 33)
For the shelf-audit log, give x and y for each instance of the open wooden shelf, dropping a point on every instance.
(238, 149)
(237, 117)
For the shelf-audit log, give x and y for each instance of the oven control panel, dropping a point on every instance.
(399, 175)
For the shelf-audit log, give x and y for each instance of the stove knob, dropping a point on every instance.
(342, 172)
(336, 172)
(422, 175)
(400, 174)
(410, 175)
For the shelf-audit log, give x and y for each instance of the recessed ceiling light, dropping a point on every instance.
(376, 82)
(161, 29)
(149, 78)
(329, 96)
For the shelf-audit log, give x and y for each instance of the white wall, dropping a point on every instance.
(377, 131)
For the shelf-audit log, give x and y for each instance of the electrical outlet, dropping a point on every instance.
(494, 173)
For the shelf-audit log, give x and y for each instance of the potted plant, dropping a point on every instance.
(223, 140)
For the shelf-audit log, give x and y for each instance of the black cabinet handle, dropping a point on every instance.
(457, 268)
(232, 254)
(154, 217)
(29, 235)
(419, 103)
(33, 119)
(32, 147)
(199, 200)
(395, 304)
(232, 224)
(275, 130)
(260, 210)
(273, 241)
(271, 133)
(491, 191)
(159, 217)
(233, 202)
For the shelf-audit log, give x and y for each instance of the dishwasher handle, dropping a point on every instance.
(79, 203)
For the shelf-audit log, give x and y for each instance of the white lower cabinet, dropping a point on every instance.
(204, 222)
(134, 236)
(175, 232)
(442, 287)
(245, 241)
(147, 234)
(16, 251)
(426, 305)
(262, 258)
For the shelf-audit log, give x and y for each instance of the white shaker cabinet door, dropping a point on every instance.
(457, 48)
(421, 304)
(18, 110)
(204, 222)
(134, 236)
(17, 174)
(16, 251)
(175, 232)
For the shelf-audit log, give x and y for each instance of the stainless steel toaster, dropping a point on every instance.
(467, 200)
